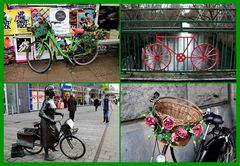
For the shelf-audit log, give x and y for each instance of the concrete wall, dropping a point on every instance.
(135, 101)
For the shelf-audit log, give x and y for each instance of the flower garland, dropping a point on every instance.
(166, 130)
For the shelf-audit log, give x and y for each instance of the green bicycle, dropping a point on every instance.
(82, 50)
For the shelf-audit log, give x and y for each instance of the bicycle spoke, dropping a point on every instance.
(210, 51)
(206, 50)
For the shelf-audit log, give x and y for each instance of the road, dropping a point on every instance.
(101, 139)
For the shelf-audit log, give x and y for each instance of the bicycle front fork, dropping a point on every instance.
(161, 157)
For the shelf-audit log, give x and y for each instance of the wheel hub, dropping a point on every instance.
(157, 57)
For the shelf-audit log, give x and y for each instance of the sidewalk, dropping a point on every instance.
(103, 69)
(91, 131)
(110, 145)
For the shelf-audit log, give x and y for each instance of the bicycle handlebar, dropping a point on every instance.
(155, 96)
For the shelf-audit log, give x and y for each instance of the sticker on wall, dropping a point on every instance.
(61, 16)
(37, 13)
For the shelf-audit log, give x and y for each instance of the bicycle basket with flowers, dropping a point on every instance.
(40, 29)
(174, 120)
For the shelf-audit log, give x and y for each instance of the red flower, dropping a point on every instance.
(175, 137)
(150, 120)
(168, 123)
(182, 133)
(197, 130)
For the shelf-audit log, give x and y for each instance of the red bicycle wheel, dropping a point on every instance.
(204, 57)
(156, 57)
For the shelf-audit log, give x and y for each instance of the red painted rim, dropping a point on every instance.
(204, 57)
(156, 57)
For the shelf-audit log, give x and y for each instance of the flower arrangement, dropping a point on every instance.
(167, 131)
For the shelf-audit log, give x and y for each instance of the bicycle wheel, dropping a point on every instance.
(85, 59)
(72, 147)
(37, 148)
(204, 57)
(226, 153)
(39, 57)
(156, 57)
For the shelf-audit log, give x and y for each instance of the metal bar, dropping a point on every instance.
(178, 21)
(142, 9)
(176, 30)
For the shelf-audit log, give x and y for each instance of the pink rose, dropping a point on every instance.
(182, 133)
(149, 120)
(197, 130)
(168, 123)
(175, 137)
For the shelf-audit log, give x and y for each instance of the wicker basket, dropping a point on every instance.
(182, 111)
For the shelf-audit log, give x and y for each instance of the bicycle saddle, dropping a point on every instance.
(36, 124)
(78, 31)
(213, 119)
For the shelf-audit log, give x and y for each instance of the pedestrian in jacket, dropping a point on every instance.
(72, 106)
(96, 103)
(105, 109)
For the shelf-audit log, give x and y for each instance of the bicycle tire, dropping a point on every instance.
(204, 57)
(80, 147)
(40, 65)
(156, 57)
(86, 59)
(33, 150)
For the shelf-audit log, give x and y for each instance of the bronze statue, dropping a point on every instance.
(49, 131)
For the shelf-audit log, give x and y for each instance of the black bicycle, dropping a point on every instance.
(218, 148)
(71, 146)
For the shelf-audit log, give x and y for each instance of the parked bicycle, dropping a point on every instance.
(82, 50)
(216, 145)
(158, 56)
(71, 146)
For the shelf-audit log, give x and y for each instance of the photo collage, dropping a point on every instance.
(120, 83)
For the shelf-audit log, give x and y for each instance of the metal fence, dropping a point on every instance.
(175, 37)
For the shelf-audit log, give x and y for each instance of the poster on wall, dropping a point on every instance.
(37, 13)
(16, 21)
(9, 24)
(21, 44)
(34, 100)
(86, 16)
(62, 16)
(22, 20)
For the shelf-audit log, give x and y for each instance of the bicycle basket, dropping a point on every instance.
(41, 30)
(25, 138)
(183, 112)
(66, 129)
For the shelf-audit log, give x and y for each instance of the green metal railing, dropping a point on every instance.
(137, 34)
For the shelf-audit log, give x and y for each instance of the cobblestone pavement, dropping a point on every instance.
(91, 132)
(103, 69)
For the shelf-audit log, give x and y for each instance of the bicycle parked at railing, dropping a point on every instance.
(158, 56)
(82, 50)
(71, 146)
(216, 145)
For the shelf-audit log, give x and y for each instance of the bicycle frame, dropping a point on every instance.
(192, 38)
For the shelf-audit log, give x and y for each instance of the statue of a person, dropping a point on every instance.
(48, 129)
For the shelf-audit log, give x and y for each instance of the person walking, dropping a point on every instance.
(65, 101)
(105, 109)
(96, 103)
(72, 106)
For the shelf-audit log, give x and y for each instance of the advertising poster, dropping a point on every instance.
(62, 16)
(22, 20)
(22, 43)
(9, 24)
(37, 13)
(82, 16)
